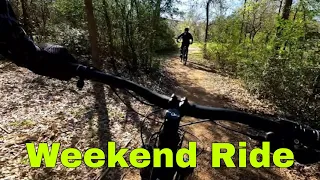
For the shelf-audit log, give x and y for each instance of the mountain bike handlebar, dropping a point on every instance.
(290, 130)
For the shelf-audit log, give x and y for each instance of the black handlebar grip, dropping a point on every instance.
(310, 137)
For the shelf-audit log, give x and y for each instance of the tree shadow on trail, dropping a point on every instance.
(104, 130)
(137, 121)
(200, 67)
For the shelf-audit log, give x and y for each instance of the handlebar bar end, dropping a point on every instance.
(80, 83)
(173, 101)
(184, 104)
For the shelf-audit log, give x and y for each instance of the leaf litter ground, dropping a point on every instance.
(38, 109)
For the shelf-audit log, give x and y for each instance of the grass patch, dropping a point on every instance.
(198, 57)
(197, 44)
(24, 123)
(25, 161)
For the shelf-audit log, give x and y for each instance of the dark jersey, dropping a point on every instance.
(15, 45)
(186, 36)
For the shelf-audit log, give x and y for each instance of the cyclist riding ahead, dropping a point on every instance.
(186, 37)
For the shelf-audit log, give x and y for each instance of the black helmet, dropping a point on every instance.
(186, 29)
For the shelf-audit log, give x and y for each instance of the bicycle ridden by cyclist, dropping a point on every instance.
(15, 45)
(186, 37)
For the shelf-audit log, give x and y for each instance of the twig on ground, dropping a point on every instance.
(124, 175)
(6, 131)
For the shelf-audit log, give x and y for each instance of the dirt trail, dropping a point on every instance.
(38, 109)
(202, 85)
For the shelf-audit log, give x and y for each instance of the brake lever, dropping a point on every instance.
(302, 153)
(80, 83)
(305, 155)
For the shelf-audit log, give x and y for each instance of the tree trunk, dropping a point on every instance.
(280, 7)
(285, 16)
(155, 23)
(207, 27)
(15, 6)
(156, 14)
(304, 21)
(109, 27)
(131, 37)
(243, 16)
(124, 40)
(25, 17)
(98, 88)
(286, 9)
(109, 24)
(93, 35)
(44, 17)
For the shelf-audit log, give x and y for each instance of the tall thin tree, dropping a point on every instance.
(100, 99)
(25, 17)
(286, 9)
(93, 34)
(207, 26)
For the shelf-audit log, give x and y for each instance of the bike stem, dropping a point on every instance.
(169, 138)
